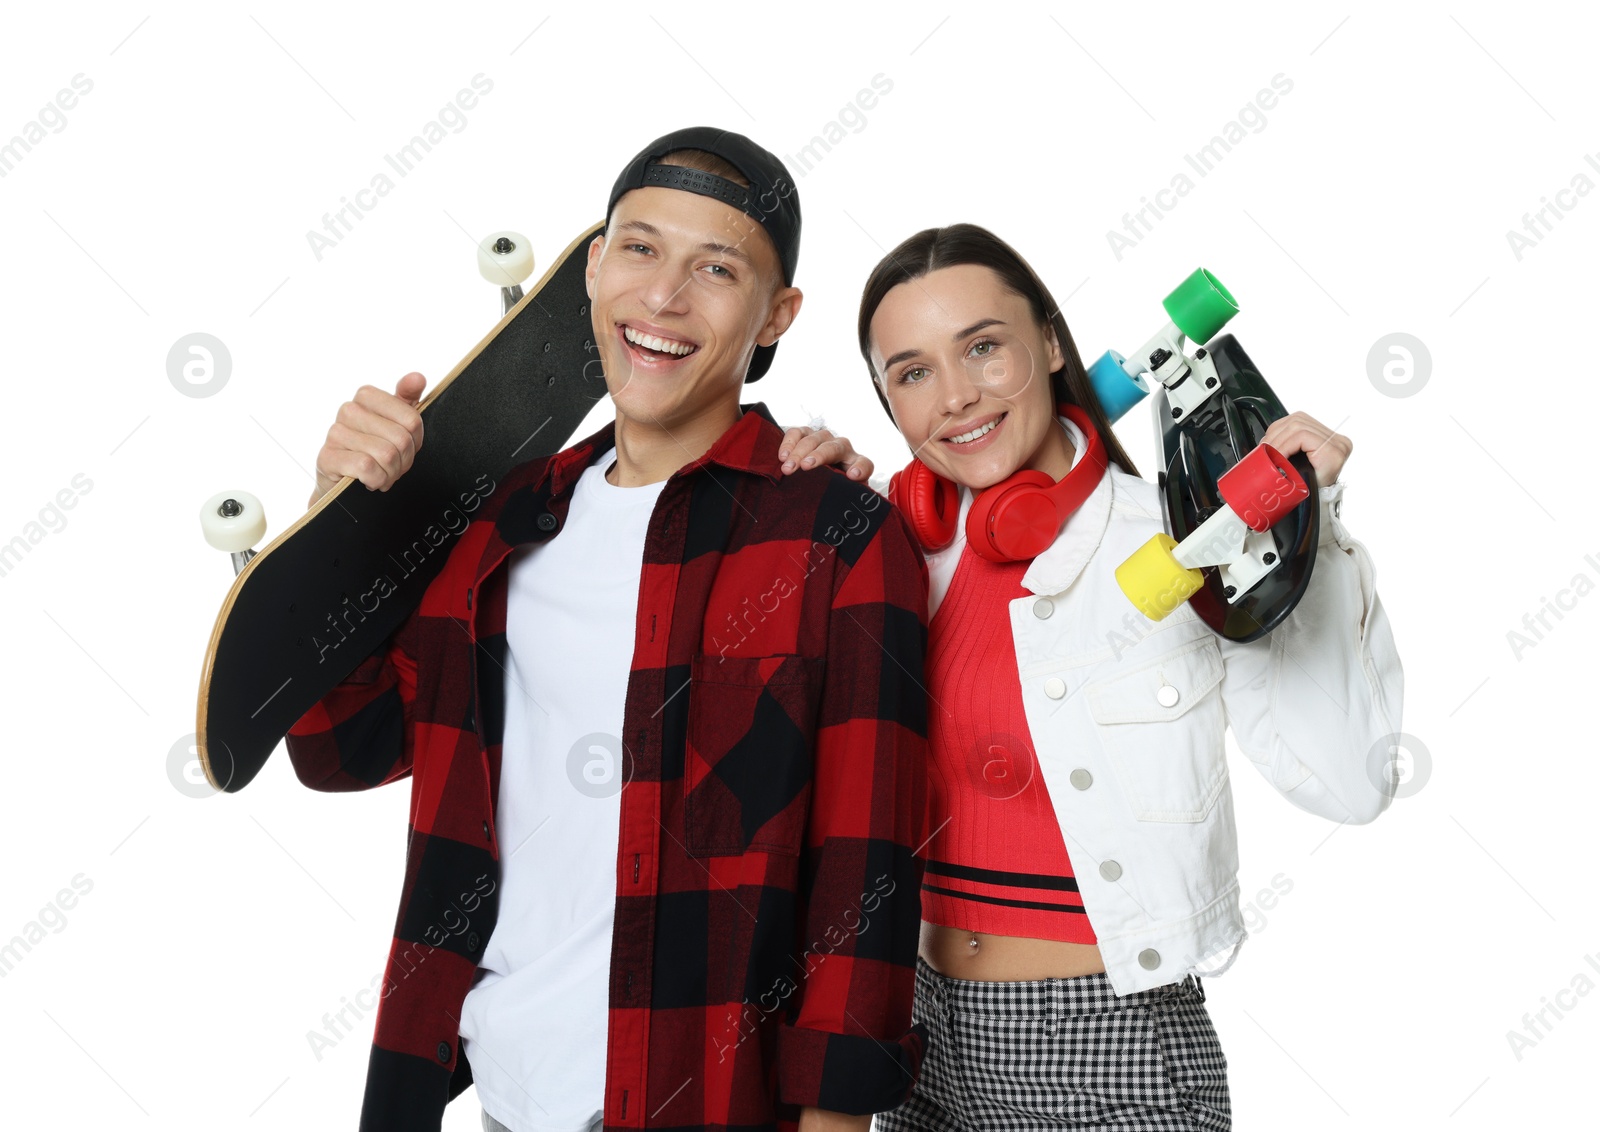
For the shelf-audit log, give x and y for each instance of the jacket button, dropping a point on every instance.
(1110, 870)
(1055, 687)
(1166, 695)
(486, 831)
(472, 941)
(1081, 778)
(1043, 608)
(1149, 959)
(546, 521)
(444, 1053)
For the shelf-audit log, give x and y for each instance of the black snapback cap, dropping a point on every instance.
(771, 199)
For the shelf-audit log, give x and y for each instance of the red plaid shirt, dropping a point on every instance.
(768, 867)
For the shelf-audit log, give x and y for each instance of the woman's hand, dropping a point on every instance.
(1298, 432)
(806, 447)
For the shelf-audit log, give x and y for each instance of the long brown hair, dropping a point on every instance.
(955, 244)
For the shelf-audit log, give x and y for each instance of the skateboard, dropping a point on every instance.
(1242, 521)
(326, 593)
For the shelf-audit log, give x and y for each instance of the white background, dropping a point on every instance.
(179, 991)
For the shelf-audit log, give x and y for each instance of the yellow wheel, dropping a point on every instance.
(1154, 581)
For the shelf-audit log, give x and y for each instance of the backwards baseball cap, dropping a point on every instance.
(771, 199)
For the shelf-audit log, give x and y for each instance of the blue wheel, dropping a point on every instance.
(1116, 390)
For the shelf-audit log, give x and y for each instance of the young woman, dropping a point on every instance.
(1081, 861)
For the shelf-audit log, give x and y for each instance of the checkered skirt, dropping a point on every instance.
(1063, 1053)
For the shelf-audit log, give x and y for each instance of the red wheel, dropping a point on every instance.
(1262, 488)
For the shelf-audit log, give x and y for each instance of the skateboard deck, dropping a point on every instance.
(1196, 453)
(1242, 521)
(328, 591)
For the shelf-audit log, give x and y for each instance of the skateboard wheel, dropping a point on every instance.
(506, 259)
(1116, 391)
(1155, 581)
(233, 521)
(1200, 306)
(1262, 488)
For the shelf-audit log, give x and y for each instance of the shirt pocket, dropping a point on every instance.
(1161, 726)
(747, 766)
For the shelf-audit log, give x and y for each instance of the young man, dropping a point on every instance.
(667, 769)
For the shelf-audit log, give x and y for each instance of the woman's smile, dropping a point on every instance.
(975, 438)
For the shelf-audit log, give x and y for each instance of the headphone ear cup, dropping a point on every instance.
(1015, 519)
(929, 501)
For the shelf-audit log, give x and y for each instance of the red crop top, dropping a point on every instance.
(996, 862)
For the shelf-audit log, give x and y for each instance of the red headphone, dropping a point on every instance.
(1015, 519)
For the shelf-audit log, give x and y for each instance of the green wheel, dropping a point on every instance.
(1200, 306)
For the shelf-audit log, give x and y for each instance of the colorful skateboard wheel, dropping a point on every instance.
(233, 521)
(1116, 391)
(1262, 487)
(1200, 306)
(1155, 581)
(506, 259)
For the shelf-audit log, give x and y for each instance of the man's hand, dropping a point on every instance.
(806, 447)
(374, 437)
(1327, 450)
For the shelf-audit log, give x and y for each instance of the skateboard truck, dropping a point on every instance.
(1257, 493)
(506, 258)
(1197, 309)
(234, 521)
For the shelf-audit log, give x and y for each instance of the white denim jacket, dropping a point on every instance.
(1127, 718)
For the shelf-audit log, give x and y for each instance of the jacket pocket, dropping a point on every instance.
(1161, 726)
(747, 765)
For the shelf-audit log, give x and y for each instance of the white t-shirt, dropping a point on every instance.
(533, 1025)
